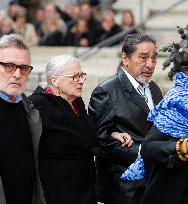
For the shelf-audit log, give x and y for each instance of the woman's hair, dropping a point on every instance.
(128, 11)
(57, 64)
(178, 54)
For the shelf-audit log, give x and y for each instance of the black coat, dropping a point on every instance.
(107, 34)
(55, 38)
(167, 175)
(66, 164)
(116, 106)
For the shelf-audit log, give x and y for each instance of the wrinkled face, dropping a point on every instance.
(69, 86)
(13, 84)
(142, 63)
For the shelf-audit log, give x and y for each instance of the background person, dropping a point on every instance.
(118, 105)
(25, 29)
(109, 27)
(66, 163)
(128, 21)
(7, 26)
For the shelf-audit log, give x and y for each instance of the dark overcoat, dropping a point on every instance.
(115, 105)
(35, 125)
(66, 161)
(167, 175)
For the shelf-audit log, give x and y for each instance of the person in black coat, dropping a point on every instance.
(79, 34)
(121, 104)
(52, 35)
(165, 148)
(109, 28)
(66, 161)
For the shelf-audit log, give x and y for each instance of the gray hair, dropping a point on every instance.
(57, 64)
(131, 41)
(13, 41)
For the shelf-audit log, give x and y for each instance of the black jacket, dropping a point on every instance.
(116, 106)
(66, 163)
(167, 177)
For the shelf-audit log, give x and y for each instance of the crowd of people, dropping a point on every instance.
(53, 151)
(81, 24)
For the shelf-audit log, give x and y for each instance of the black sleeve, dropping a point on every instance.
(103, 113)
(160, 149)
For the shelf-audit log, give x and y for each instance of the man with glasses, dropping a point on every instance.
(20, 126)
(119, 107)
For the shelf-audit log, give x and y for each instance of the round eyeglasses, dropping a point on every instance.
(11, 68)
(76, 77)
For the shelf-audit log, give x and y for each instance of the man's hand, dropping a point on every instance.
(124, 138)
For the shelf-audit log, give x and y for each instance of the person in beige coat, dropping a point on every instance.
(26, 30)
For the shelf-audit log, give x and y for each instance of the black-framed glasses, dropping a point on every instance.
(11, 68)
(76, 76)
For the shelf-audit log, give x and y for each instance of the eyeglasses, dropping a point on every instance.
(76, 76)
(11, 68)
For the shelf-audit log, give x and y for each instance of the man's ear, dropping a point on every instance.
(54, 80)
(124, 59)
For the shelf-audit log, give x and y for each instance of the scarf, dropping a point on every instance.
(170, 116)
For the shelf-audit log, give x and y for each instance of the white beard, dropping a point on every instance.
(140, 80)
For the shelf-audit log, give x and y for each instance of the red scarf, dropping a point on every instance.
(74, 106)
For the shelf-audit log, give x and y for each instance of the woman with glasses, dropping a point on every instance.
(66, 162)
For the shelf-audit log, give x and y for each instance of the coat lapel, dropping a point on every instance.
(156, 96)
(128, 87)
(36, 131)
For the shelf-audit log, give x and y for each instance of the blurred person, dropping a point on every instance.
(20, 125)
(2, 15)
(66, 161)
(109, 28)
(95, 9)
(7, 26)
(78, 36)
(26, 30)
(50, 11)
(38, 22)
(165, 148)
(121, 104)
(93, 25)
(52, 35)
(12, 10)
(128, 21)
(63, 14)
(73, 11)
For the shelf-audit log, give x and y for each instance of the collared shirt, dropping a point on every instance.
(144, 91)
(7, 98)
